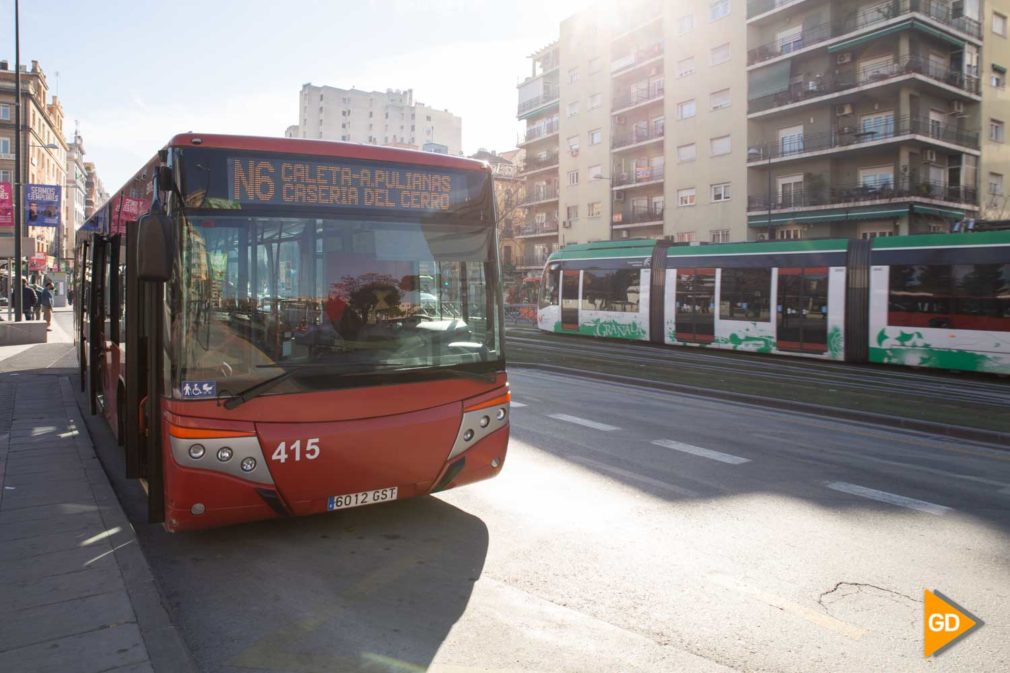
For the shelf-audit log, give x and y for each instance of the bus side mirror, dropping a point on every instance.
(154, 245)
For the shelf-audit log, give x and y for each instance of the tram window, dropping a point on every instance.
(962, 296)
(744, 294)
(549, 291)
(610, 290)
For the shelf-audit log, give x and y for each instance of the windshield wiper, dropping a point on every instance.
(258, 389)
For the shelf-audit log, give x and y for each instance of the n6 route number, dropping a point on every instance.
(295, 452)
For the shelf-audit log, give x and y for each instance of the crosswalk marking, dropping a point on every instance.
(699, 451)
(890, 498)
(679, 490)
(517, 405)
(582, 421)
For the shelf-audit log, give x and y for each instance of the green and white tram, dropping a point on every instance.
(938, 300)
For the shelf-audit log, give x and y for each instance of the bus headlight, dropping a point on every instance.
(197, 451)
(248, 464)
(224, 454)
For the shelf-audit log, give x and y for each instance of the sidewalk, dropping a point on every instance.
(76, 594)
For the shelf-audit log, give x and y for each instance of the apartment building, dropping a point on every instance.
(734, 120)
(42, 147)
(390, 117)
(650, 121)
(865, 119)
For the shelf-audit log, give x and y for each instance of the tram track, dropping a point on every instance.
(928, 387)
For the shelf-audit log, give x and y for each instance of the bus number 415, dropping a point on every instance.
(294, 451)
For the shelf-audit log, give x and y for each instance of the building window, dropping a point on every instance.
(720, 235)
(996, 184)
(999, 24)
(573, 108)
(685, 237)
(595, 136)
(997, 80)
(5, 176)
(719, 54)
(686, 153)
(719, 100)
(596, 172)
(718, 10)
(685, 197)
(685, 67)
(595, 100)
(572, 212)
(720, 145)
(685, 109)
(685, 24)
(720, 192)
(573, 177)
(573, 145)
(594, 208)
(5, 112)
(5, 145)
(996, 130)
(573, 75)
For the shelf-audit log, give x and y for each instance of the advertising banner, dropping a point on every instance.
(6, 205)
(42, 205)
(127, 209)
(37, 262)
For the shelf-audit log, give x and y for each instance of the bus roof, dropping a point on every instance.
(326, 148)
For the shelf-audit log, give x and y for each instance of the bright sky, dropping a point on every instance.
(135, 72)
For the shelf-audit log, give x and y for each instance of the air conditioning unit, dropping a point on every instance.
(843, 58)
(843, 110)
(929, 156)
(957, 107)
(621, 119)
(618, 197)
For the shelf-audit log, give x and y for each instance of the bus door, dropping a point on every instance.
(570, 299)
(696, 305)
(83, 292)
(96, 322)
(803, 310)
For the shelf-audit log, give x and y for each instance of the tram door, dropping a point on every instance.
(570, 299)
(803, 310)
(696, 305)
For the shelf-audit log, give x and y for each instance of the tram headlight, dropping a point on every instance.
(248, 464)
(224, 454)
(197, 451)
(501, 414)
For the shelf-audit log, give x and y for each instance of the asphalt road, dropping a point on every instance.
(629, 531)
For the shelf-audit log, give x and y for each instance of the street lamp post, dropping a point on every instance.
(18, 308)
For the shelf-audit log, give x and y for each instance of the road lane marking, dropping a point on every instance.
(699, 451)
(582, 421)
(679, 490)
(517, 405)
(809, 614)
(890, 498)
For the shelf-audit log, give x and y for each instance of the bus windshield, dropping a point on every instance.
(327, 302)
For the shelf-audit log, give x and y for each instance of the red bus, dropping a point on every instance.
(278, 327)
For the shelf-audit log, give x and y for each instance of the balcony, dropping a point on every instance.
(826, 85)
(535, 103)
(538, 164)
(636, 98)
(531, 228)
(636, 136)
(639, 215)
(637, 57)
(907, 187)
(799, 146)
(643, 175)
(861, 19)
(532, 260)
(758, 7)
(541, 131)
(538, 196)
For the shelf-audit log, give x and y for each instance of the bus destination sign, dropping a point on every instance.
(293, 182)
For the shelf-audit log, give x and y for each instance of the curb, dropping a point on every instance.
(999, 439)
(166, 649)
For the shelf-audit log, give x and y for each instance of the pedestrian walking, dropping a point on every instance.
(37, 289)
(28, 299)
(46, 304)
